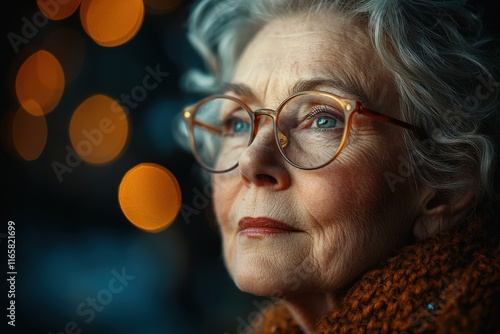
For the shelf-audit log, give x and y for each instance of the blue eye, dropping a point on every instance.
(235, 125)
(325, 122)
(324, 118)
(240, 126)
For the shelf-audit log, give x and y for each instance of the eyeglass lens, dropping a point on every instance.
(309, 128)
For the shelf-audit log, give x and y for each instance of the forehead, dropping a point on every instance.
(324, 46)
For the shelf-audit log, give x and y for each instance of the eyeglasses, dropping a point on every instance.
(310, 128)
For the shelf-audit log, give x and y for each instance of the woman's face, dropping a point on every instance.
(285, 230)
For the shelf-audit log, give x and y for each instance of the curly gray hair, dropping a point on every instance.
(435, 51)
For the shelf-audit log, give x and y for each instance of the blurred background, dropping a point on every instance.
(90, 93)
(61, 190)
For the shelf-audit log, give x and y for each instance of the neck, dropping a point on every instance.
(308, 308)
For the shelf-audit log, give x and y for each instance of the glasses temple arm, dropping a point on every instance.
(388, 119)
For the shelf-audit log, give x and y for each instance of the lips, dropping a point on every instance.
(263, 226)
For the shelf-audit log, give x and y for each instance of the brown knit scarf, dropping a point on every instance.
(449, 283)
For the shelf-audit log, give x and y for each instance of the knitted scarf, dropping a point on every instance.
(449, 283)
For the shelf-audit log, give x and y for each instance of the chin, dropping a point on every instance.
(254, 273)
(260, 284)
(269, 276)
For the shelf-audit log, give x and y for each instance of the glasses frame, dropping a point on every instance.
(350, 107)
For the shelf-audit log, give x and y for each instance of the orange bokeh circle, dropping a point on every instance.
(58, 10)
(40, 81)
(29, 133)
(99, 130)
(111, 22)
(150, 197)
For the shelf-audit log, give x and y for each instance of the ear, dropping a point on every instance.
(439, 211)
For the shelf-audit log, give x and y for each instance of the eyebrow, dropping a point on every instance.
(353, 90)
(240, 89)
(337, 83)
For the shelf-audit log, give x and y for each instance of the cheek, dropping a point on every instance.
(226, 187)
(225, 190)
(358, 218)
(344, 208)
(339, 191)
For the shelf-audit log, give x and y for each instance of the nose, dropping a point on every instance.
(261, 164)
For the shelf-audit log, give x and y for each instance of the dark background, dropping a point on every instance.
(70, 235)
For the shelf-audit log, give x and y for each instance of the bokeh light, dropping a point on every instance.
(40, 83)
(160, 7)
(111, 22)
(99, 130)
(150, 197)
(58, 10)
(29, 132)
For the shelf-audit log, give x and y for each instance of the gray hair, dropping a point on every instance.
(435, 51)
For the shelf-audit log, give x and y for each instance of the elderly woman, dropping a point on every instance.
(350, 161)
